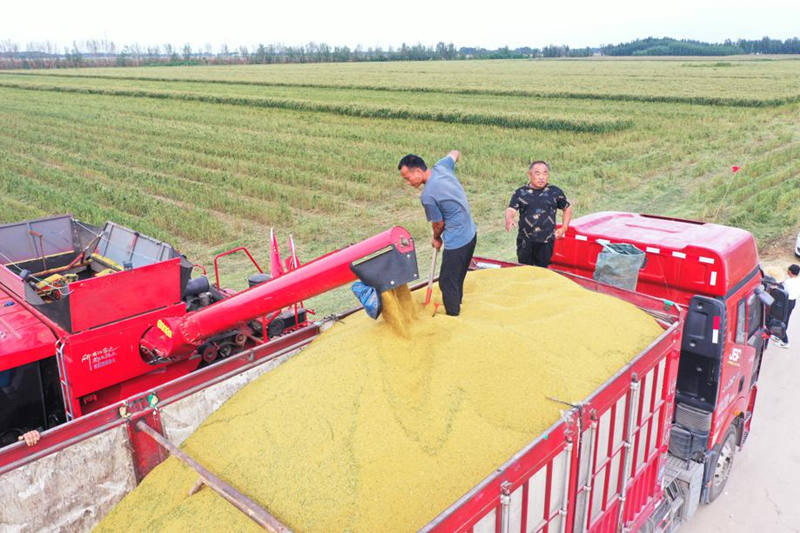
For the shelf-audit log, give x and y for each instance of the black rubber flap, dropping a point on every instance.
(387, 270)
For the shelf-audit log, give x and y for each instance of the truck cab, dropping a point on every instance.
(712, 271)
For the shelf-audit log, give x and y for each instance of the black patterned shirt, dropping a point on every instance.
(537, 212)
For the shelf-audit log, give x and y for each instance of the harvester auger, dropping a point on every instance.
(384, 261)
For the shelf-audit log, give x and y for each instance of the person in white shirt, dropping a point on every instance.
(792, 286)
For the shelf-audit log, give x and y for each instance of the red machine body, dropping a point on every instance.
(179, 336)
(88, 314)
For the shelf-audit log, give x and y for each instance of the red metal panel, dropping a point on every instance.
(23, 337)
(147, 454)
(643, 490)
(474, 505)
(643, 487)
(687, 252)
(109, 355)
(736, 368)
(105, 299)
(12, 282)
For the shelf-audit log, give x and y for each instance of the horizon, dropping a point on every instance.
(103, 46)
(355, 23)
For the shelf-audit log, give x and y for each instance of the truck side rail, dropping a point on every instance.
(144, 403)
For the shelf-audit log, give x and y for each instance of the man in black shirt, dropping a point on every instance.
(537, 203)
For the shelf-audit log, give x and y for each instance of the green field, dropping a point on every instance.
(211, 157)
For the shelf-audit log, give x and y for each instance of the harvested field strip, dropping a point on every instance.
(314, 209)
(195, 184)
(113, 166)
(502, 121)
(281, 156)
(621, 97)
(71, 189)
(16, 209)
(764, 197)
(541, 108)
(201, 198)
(273, 187)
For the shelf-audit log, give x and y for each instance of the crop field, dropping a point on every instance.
(208, 158)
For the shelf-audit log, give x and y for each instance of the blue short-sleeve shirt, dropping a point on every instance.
(444, 199)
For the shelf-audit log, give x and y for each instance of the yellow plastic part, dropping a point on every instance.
(105, 261)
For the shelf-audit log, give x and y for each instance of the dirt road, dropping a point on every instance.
(762, 493)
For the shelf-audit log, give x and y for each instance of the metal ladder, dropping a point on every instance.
(66, 393)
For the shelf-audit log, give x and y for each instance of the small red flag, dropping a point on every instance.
(275, 267)
(735, 169)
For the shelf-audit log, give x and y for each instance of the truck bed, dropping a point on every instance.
(613, 444)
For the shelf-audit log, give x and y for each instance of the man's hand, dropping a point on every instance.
(566, 217)
(510, 218)
(455, 154)
(30, 438)
(438, 229)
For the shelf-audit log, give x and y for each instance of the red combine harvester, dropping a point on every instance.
(639, 454)
(90, 316)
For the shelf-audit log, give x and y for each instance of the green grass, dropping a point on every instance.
(211, 158)
(509, 112)
(750, 79)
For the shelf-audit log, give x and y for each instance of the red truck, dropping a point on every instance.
(640, 453)
(659, 437)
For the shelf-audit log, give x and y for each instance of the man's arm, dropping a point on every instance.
(566, 216)
(438, 228)
(455, 154)
(511, 219)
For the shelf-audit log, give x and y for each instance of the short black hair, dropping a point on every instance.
(794, 269)
(539, 163)
(412, 161)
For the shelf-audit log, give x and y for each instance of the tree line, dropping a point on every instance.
(685, 47)
(102, 52)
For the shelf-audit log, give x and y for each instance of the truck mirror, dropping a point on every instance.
(764, 297)
(778, 311)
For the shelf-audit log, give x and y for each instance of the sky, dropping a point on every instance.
(372, 23)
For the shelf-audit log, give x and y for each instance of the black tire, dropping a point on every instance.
(725, 452)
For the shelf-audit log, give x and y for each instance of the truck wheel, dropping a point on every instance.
(722, 469)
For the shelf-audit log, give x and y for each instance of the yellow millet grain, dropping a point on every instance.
(381, 425)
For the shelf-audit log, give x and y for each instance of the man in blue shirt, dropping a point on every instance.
(447, 209)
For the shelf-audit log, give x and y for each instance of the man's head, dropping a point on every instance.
(539, 174)
(413, 169)
(794, 270)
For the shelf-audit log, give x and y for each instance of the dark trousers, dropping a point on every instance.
(455, 264)
(790, 306)
(535, 253)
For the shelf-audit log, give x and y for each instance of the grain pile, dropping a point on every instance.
(380, 425)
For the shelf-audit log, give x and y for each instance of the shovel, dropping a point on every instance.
(430, 278)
